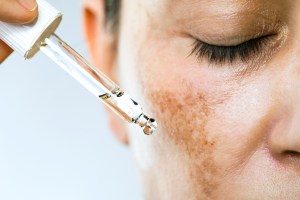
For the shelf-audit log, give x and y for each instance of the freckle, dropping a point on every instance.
(183, 121)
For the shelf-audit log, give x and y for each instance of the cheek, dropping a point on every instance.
(215, 128)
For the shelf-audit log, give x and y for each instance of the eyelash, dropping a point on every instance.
(229, 54)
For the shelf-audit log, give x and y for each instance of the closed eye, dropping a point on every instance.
(229, 54)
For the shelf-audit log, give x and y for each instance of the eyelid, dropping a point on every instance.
(222, 54)
(227, 41)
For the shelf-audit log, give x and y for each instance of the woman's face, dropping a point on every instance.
(222, 78)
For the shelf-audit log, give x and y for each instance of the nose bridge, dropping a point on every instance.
(293, 131)
(286, 134)
(291, 85)
(289, 69)
(293, 102)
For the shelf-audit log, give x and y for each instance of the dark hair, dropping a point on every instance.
(112, 12)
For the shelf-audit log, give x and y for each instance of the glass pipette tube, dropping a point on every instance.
(97, 83)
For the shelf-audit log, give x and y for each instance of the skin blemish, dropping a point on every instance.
(185, 119)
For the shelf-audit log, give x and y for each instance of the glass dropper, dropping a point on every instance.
(28, 39)
(96, 82)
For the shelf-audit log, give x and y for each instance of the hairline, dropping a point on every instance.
(112, 14)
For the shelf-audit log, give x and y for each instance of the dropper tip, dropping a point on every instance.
(148, 125)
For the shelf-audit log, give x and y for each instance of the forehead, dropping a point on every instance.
(198, 14)
(212, 7)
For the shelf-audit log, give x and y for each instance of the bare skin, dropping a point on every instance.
(14, 11)
(227, 130)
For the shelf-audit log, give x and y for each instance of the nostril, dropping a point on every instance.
(292, 154)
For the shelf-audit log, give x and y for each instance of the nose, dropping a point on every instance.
(284, 138)
(284, 132)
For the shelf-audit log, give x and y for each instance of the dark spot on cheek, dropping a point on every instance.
(183, 122)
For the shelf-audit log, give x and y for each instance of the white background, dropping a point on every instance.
(54, 140)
